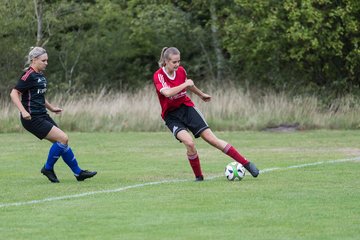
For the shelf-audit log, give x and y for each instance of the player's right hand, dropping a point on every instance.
(189, 82)
(25, 115)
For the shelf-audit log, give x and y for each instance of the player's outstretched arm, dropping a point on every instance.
(205, 97)
(52, 108)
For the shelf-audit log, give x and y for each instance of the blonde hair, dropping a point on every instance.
(34, 53)
(165, 54)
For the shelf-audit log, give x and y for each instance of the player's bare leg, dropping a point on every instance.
(191, 152)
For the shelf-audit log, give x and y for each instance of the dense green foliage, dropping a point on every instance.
(297, 43)
(303, 45)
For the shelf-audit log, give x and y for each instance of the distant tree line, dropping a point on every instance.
(294, 45)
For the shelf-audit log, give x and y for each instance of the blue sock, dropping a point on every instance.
(54, 154)
(70, 160)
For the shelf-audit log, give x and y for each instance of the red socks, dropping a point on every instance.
(231, 151)
(228, 150)
(195, 164)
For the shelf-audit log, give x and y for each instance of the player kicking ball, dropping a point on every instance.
(181, 116)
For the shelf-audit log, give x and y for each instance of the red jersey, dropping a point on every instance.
(161, 81)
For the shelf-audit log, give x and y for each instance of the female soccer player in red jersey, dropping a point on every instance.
(181, 116)
(29, 97)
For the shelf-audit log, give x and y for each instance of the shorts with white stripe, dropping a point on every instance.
(186, 118)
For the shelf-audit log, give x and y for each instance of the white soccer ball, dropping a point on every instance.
(234, 171)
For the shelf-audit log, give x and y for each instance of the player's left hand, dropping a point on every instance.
(57, 110)
(206, 97)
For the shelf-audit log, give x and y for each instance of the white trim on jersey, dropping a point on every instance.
(162, 81)
(171, 78)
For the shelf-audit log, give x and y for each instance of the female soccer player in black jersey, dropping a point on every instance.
(181, 116)
(29, 97)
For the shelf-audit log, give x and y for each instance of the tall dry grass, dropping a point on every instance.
(230, 109)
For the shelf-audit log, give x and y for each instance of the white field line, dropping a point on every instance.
(52, 199)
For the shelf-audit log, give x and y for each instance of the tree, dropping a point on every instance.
(207, 21)
(298, 44)
(214, 23)
(38, 6)
(292, 44)
(15, 40)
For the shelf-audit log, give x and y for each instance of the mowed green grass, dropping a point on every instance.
(311, 202)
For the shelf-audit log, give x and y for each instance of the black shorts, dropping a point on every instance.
(39, 125)
(186, 118)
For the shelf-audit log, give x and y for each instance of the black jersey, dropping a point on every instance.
(32, 85)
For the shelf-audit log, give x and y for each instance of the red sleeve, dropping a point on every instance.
(26, 81)
(159, 81)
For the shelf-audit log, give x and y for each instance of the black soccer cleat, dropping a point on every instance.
(252, 169)
(84, 174)
(50, 174)
(199, 178)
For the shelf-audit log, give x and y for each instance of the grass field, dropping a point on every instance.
(145, 189)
